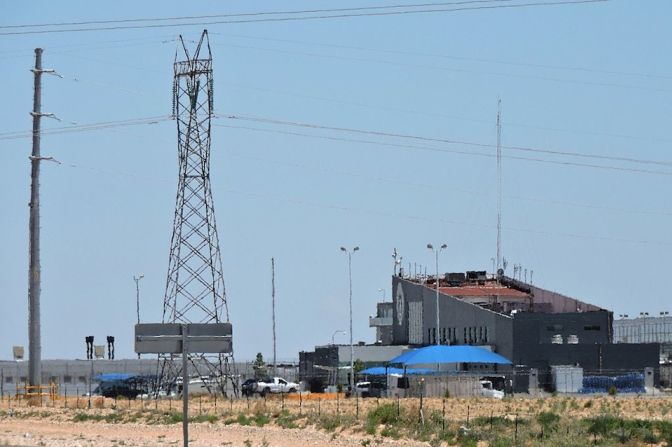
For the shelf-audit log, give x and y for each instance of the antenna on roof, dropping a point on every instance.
(397, 260)
(499, 183)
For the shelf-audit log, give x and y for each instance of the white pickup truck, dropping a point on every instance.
(486, 390)
(276, 385)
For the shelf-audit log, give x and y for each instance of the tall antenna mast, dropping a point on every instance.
(275, 364)
(499, 184)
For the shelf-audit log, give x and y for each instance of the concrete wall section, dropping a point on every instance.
(540, 328)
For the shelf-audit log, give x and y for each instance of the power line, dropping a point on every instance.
(385, 214)
(452, 69)
(433, 187)
(448, 56)
(452, 151)
(245, 14)
(87, 127)
(434, 114)
(448, 141)
(309, 17)
(157, 119)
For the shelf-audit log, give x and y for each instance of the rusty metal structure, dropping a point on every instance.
(195, 291)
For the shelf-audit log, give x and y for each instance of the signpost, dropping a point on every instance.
(176, 338)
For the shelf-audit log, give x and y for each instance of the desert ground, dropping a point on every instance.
(310, 421)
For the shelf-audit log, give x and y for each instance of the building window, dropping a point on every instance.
(480, 334)
(23, 379)
(554, 328)
(9, 379)
(485, 338)
(67, 379)
(465, 335)
(82, 379)
(594, 327)
(429, 336)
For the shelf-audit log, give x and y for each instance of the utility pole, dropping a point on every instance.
(275, 364)
(34, 280)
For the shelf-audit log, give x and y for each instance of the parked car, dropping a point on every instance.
(249, 387)
(363, 389)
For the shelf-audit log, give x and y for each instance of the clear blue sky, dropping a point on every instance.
(594, 79)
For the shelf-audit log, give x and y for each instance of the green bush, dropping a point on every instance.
(211, 418)
(286, 420)
(243, 420)
(261, 419)
(548, 421)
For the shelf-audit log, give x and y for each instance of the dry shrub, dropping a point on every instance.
(259, 407)
(34, 401)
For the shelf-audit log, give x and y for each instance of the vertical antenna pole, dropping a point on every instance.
(34, 341)
(499, 184)
(275, 364)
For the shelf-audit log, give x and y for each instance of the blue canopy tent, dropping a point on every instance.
(113, 377)
(439, 354)
(381, 371)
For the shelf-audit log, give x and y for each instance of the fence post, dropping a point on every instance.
(215, 403)
(515, 433)
(319, 408)
(468, 416)
(338, 403)
(443, 416)
(282, 398)
(200, 405)
(422, 415)
(357, 403)
(398, 407)
(300, 403)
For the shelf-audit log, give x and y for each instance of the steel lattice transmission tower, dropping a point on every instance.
(195, 291)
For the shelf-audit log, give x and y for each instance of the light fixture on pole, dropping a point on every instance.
(352, 348)
(438, 321)
(137, 296)
(338, 331)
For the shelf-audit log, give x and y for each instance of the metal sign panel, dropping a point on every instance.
(158, 338)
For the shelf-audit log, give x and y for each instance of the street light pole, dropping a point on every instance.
(339, 331)
(137, 296)
(352, 347)
(438, 320)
